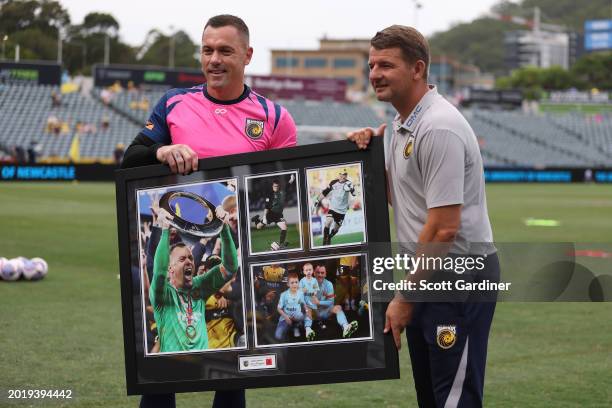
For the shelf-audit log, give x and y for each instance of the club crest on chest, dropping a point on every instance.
(254, 128)
(409, 147)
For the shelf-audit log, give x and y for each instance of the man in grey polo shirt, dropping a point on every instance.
(436, 184)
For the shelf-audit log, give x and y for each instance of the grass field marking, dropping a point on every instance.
(362, 255)
(141, 285)
(299, 208)
(308, 171)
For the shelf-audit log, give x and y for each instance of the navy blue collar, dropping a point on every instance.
(242, 97)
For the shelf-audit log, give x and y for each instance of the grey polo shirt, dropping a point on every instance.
(434, 160)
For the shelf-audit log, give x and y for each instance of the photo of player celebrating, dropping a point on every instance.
(336, 205)
(273, 211)
(296, 302)
(192, 291)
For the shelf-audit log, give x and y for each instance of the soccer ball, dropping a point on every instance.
(3, 260)
(29, 269)
(11, 269)
(34, 269)
(275, 246)
(41, 267)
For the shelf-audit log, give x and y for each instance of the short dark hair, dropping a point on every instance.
(223, 20)
(177, 245)
(410, 41)
(292, 275)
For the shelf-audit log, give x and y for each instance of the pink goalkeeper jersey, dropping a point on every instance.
(212, 127)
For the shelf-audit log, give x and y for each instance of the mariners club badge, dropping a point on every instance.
(254, 128)
(409, 147)
(446, 336)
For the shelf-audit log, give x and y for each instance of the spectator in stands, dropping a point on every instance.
(78, 127)
(89, 128)
(116, 88)
(56, 100)
(144, 104)
(33, 151)
(64, 128)
(53, 125)
(225, 53)
(107, 96)
(118, 152)
(105, 123)
(20, 155)
(131, 88)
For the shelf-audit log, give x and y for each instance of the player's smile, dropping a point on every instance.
(216, 72)
(379, 87)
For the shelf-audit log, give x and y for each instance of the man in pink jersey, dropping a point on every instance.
(222, 117)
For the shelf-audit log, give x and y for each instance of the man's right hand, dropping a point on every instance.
(181, 158)
(397, 317)
(362, 136)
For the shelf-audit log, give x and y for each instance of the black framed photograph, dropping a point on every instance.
(311, 301)
(336, 202)
(179, 261)
(273, 204)
(228, 280)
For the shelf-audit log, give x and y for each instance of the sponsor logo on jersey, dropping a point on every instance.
(446, 336)
(149, 125)
(254, 128)
(413, 116)
(409, 147)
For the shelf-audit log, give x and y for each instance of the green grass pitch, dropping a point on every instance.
(65, 332)
(262, 238)
(350, 238)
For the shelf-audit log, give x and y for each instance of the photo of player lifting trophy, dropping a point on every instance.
(190, 267)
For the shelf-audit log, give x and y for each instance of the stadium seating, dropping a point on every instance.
(506, 138)
(595, 130)
(517, 139)
(25, 111)
(134, 104)
(331, 114)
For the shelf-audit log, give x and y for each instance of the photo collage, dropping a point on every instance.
(197, 255)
